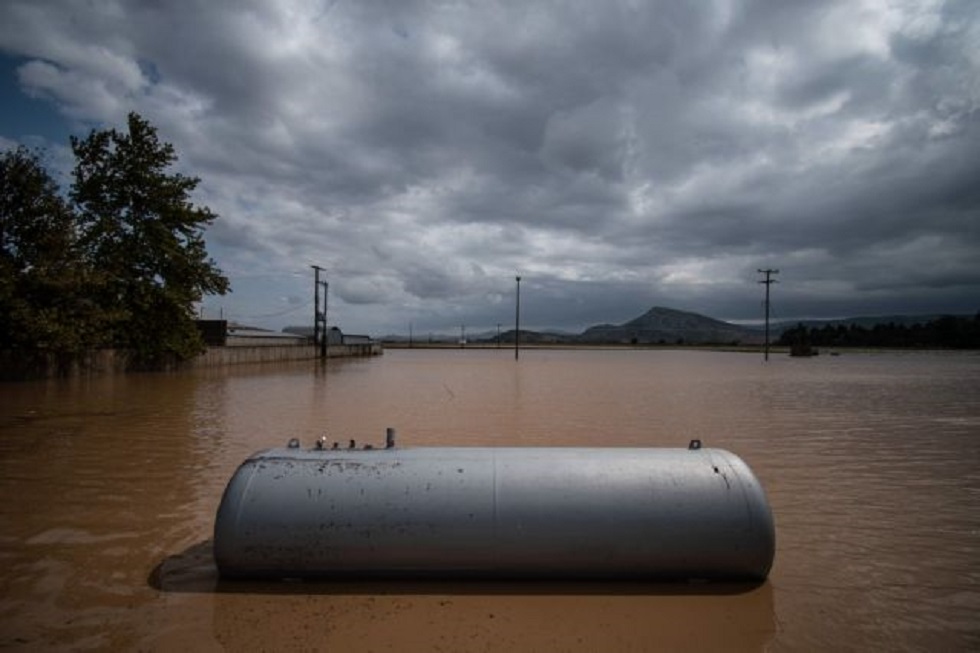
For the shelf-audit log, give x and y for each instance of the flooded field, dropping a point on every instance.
(108, 490)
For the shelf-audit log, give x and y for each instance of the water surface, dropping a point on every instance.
(108, 489)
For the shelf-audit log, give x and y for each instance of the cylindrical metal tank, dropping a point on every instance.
(495, 512)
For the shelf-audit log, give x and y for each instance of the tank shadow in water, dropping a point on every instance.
(193, 571)
(463, 615)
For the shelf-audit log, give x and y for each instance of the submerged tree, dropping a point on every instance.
(140, 228)
(44, 283)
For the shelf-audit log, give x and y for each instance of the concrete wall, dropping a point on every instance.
(360, 349)
(111, 361)
(19, 366)
(219, 356)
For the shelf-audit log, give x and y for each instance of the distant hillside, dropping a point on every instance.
(662, 325)
(668, 326)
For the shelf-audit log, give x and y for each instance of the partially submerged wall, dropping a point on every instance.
(39, 365)
(220, 356)
(354, 350)
(22, 366)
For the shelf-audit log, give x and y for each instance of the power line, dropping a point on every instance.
(277, 314)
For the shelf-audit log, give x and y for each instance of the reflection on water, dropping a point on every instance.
(870, 462)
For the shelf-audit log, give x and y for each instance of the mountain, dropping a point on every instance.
(659, 325)
(668, 326)
(662, 325)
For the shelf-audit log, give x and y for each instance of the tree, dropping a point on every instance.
(44, 284)
(138, 224)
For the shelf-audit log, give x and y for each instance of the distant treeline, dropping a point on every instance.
(950, 332)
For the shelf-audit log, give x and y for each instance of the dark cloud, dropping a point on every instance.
(618, 155)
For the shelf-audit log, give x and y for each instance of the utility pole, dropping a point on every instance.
(319, 335)
(498, 335)
(323, 341)
(768, 281)
(316, 304)
(517, 322)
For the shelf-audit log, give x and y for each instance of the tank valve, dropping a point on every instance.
(352, 445)
(321, 442)
(694, 445)
(293, 443)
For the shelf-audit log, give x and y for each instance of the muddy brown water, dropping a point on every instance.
(109, 486)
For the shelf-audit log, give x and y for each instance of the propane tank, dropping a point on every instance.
(695, 513)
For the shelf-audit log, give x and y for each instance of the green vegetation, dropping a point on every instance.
(949, 332)
(118, 263)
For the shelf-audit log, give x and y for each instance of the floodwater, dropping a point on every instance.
(109, 486)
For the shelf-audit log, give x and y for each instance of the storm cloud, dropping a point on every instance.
(616, 155)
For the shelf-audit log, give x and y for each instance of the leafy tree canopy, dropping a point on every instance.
(44, 284)
(119, 263)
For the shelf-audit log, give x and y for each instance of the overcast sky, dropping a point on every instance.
(617, 155)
